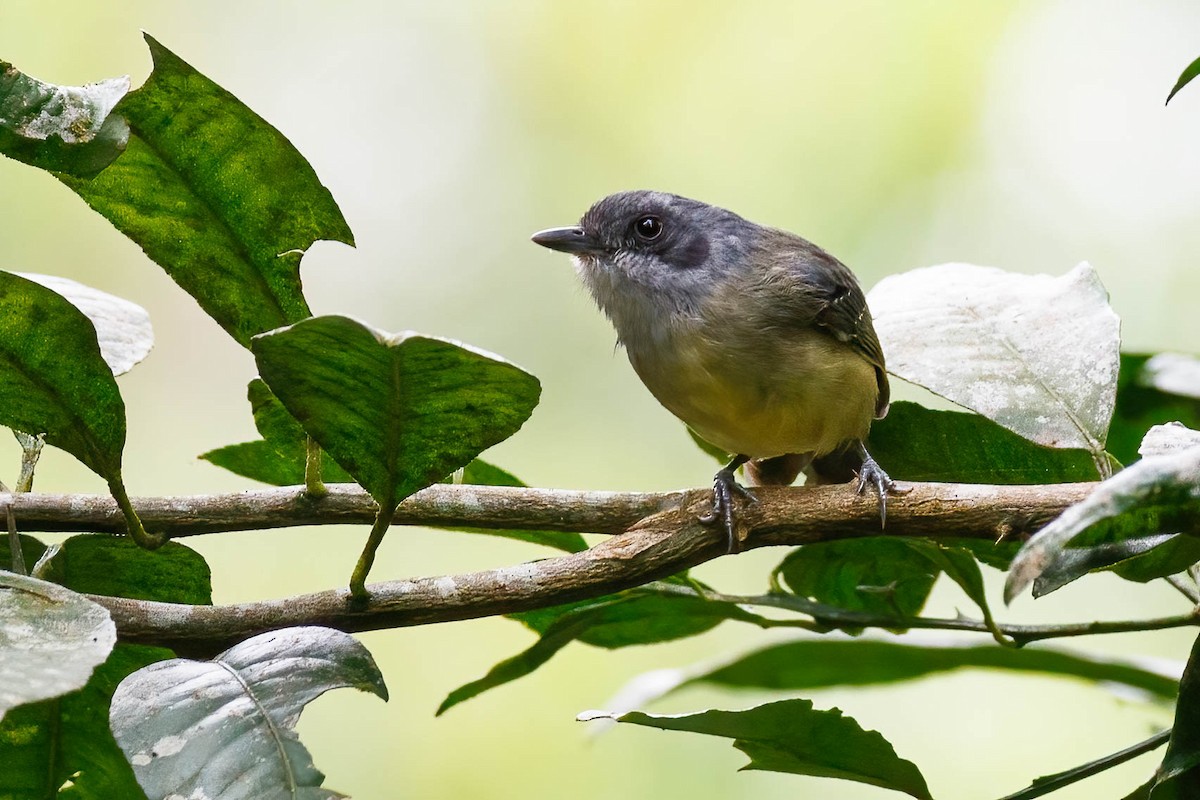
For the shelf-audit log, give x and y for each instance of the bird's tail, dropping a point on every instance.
(776, 471)
(840, 466)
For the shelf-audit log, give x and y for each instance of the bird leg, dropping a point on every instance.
(870, 473)
(725, 486)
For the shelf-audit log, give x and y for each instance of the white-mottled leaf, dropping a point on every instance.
(1173, 373)
(224, 728)
(50, 640)
(123, 328)
(1159, 494)
(1166, 439)
(1035, 353)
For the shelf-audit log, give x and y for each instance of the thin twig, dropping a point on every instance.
(1186, 589)
(1050, 783)
(828, 617)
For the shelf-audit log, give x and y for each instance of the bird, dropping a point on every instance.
(758, 340)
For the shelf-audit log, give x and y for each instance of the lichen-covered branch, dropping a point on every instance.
(660, 535)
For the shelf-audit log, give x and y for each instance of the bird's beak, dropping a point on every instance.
(573, 240)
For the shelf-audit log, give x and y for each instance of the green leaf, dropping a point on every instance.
(67, 740)
(994, 554)
(1147, 395)
(224, 728)
(116, 567)
(960, 566)
(279, 458)
(880, 575)
(919, 444)
(281, 430)
(53, 379)
(1037, 354)
(1139, 559)
(31, 550)
(215, 196)
(396, 412)
(1185, 78)
(66, 129)
(639, 616)
(1154, 496)
(890, 576)
(1143, 793)
(67, 743)
(1178, 774)
(636, 617)
(258, 461)
(51, 639)
(791, 736)
(122, 328)
(823, 663)
(1170, 557)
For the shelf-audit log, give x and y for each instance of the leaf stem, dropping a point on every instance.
(1051, 783)
(314, 487)
(133, 523)
(14, 543)
(1103, 461)
(358, 579)
(31, 451)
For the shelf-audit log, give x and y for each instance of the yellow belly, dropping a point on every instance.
(810, 394)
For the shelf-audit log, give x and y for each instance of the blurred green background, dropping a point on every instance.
(1028, 136)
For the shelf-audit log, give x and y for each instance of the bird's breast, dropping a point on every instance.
(768, 394)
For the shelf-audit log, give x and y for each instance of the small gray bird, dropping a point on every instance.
(760, 341)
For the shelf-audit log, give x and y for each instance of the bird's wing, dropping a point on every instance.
(831, 299)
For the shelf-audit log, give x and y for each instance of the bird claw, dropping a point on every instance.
(725, 486)
(871, 474)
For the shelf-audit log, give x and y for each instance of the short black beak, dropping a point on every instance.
(573, 240)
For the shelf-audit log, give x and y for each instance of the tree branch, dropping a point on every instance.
(825, 512)
(440, 505)
(662, 537)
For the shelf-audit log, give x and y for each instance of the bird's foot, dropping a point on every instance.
(871, 474)
(725, 487)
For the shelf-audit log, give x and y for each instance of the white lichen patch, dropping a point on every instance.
(168, 746)
(445, 586)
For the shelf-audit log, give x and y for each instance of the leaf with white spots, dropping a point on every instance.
(1036, 353)
(224, 728)
(1164, 440)
(1173, 373)
(50, 640)
(1157, 495)
(122, 328)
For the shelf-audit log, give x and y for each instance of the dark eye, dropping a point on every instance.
(648, 228)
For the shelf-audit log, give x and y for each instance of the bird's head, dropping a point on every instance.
(646, 255)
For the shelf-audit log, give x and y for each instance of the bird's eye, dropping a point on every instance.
(648, 228)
